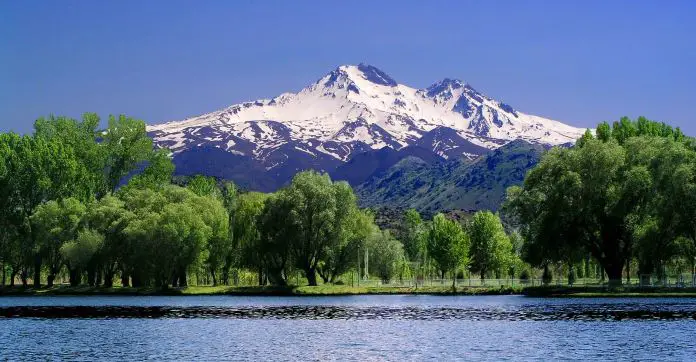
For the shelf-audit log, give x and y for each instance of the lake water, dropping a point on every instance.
(351, 328)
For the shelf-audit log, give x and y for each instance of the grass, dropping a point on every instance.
(328, 289)
(321, 290)
(606, 292)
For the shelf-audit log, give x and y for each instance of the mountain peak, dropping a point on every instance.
(445, 86)
(367, 72)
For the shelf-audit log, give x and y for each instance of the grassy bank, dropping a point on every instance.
(327, 290)
(605, 292)
(322, 290)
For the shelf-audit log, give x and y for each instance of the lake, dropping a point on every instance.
(347, 328)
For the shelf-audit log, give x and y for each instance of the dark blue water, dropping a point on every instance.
(354, 328)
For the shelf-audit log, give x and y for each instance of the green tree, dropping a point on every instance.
(413, 233)
(386, 255)
(158, 172)
(204, 186)
(279, 227)
(340, 258)
(126, 145)
(79, 254)
(491, 249)
(55, 223)
(109, 217)
(314, 219)
(37, 170)
(448, 245)
(613, 197)
(247, 238)
(82, 137)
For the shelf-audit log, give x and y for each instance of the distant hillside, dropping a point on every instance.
(458, 184)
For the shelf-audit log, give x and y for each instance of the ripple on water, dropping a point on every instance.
(568, 312)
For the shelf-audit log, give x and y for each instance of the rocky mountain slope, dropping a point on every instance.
(353, 122)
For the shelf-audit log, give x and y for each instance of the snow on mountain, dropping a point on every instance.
(355, 108)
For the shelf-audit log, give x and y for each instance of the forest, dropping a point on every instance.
(101, 207)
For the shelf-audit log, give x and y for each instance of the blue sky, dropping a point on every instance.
(580, 62)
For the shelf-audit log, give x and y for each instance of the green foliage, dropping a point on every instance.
(448, 245)
(615, 197)
(248, 209)
(204, 186)
(126, 145)
(311, 219)
(80, 252)
(478, 184)
(55, 223)
(413, 233)
(386, 256)
(491, 249)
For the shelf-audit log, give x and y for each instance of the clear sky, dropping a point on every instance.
(579, 62)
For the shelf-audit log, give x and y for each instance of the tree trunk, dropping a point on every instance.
(182, 278)
(136, 282)
(4, 274)
(628, 272)
(108, 278)
(49, 280)
(91, 276)
(13, 275)
(24, 275)
(483, 276)
(125, 279)
(226, 274)
(98, 282)
(212, 274)
(37, 271)
(74, 277)
(311, 276)
(324, 277)
(615, 273)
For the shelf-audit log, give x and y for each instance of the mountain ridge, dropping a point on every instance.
(349, 112)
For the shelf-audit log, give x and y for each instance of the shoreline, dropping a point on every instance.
(339, 290)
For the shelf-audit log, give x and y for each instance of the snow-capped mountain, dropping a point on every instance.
(351, 110)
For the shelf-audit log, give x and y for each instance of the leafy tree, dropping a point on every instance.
(491, 249)
(386, 255)
(80, 253)
(126, 145)
(448, 245)
(56, 223)
(575, 200)
(279, 226)
(342, 256)
(109, 218)
(612, 197)
(38, 170)
(247, 238)
(218, 242)
(204, 186)
(82, 137)
(413, 234)
(314, 219)
(158, 172)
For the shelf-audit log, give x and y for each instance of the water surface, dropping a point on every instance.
(346, 328)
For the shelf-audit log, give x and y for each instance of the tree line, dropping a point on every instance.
(101, 205)
(624, 196)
